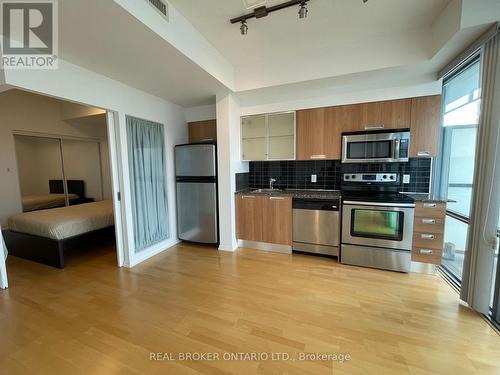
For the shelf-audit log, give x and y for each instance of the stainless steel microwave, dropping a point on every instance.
(376, 147)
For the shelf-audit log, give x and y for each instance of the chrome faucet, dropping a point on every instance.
(271, 183)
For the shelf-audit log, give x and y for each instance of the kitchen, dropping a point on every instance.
(351, 182)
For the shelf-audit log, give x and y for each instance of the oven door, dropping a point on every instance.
(378, 224)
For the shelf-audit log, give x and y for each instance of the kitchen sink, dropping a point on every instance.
(266, 191)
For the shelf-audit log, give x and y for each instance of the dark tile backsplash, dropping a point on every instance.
(297, 174)
(242, 181)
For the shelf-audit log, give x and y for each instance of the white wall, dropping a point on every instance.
(74, 83)
(367, 87)
(21, 111)
(201, 113)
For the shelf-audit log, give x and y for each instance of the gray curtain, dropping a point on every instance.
(478, 262)
(146, 152)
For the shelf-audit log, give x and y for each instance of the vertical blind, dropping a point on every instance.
(146, 152)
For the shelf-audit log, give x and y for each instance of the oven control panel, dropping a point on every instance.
(371, 177)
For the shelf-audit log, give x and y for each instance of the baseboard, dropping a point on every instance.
(425, 268)
(226, 247)
(264, 246)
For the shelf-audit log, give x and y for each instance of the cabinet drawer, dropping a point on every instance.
(428, 240)
(430, 210)
(426, 255)
(428, 224)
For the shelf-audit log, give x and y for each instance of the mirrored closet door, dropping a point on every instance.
(57, 172)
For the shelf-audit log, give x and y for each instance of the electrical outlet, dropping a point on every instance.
(406, 179)
(314, 178)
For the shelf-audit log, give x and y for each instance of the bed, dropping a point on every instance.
(56, 196)
(43, 236)
(44, 201)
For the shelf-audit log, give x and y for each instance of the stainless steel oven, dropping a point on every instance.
(376, 147)
(388, 225)
(377, 234)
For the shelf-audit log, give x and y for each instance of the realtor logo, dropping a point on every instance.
(29, 34)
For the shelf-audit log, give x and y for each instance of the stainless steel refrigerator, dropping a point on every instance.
(196, 186)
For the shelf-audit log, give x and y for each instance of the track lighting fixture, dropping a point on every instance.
(244, 27)
(303, 10)
(264, 11)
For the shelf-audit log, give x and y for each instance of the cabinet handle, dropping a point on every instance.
(429, 205)
(428, 221)
(206, 139)
(276, 198)
(426, 236)
(426, 251)
(247, 197)
(368, 127)
(423, 153)
(318, 156)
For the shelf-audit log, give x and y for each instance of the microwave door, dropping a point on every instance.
(369, 151)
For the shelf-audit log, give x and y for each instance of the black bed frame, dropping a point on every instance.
(51, 252)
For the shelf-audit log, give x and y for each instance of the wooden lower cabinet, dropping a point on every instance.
(262, 218)
(277, 220)
(428, 232)
(249, 217)
(202, 131)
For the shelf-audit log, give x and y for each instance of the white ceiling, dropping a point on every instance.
(332, 27)
(101, 36)
(329, 23)
(340, 38)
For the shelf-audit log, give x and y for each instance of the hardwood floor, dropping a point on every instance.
(94, 318)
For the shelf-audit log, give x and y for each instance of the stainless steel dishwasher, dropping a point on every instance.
(316, 226)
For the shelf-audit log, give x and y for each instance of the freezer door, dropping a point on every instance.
(197, 212)
(195, 161)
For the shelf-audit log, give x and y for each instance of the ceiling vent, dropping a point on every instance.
(161, 6)
(250, 4)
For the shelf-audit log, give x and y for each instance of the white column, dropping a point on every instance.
(229, 163)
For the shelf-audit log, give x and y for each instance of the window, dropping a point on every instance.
(461, 108)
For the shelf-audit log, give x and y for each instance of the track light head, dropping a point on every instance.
(244, 27)
(303, 10)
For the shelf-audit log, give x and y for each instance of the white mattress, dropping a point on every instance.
(40, 202)
(64, 222)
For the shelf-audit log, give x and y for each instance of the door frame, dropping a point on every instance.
(117, 185)
(4, 282)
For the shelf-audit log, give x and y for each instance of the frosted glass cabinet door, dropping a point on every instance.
(254, 137)
(281, 136)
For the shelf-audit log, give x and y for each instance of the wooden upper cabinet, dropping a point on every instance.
(425, 124)
(346, 118)
(389, 114)
(202, 131)
(249, 217)
(318, 133)
(277, 220)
